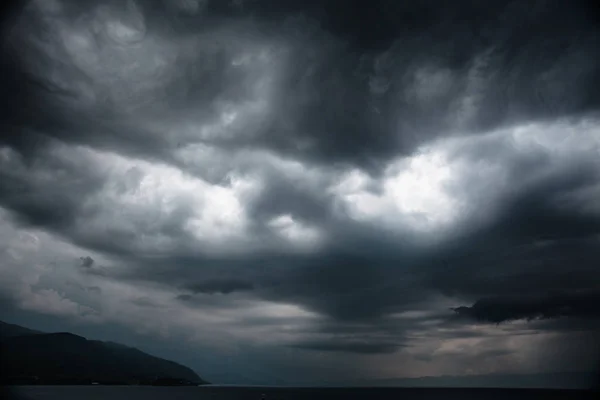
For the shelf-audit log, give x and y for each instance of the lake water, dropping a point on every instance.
(256, 393)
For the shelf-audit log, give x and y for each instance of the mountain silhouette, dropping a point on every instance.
(32, 357)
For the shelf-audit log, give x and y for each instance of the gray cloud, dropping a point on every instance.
(340, 345)
(184, 297)
(330, 180)
(224, 286)
(94, 289)
(87, 261)
(145, 302)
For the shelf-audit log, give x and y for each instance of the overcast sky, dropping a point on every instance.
(306, 191)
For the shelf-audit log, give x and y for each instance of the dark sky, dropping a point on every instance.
(306, 191)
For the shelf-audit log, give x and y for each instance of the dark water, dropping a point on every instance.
(256, 393)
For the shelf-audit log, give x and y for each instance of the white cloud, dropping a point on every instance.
(49, 301)
(445, 183)
(414, 194)
(158, 195)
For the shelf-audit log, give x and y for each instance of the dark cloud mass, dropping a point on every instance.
(307, 182)
(359, 95)
(87, 261)
(220, 286)
(553, 305)
(341, 345)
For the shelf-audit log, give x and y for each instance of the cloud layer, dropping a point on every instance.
(275, 175)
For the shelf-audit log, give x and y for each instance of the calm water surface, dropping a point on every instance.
(256, 393)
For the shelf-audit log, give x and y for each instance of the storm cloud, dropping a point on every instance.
(555, 305)
(273, 177)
